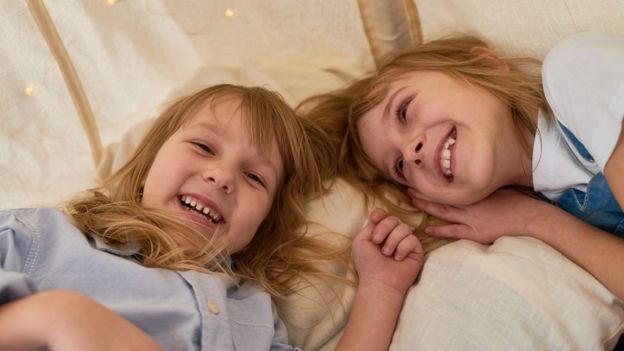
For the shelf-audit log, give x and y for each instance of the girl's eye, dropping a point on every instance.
(204, 147)
(401, 111)
(398, 168)
(255, 178)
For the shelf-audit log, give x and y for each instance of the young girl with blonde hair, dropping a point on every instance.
(452, 122)
(184, 247)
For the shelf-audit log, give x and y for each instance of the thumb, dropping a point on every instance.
(366, 233)
(377, 214)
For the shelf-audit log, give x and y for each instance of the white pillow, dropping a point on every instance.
(517, 294)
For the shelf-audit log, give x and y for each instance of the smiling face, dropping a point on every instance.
(210, 173)
(452, 142)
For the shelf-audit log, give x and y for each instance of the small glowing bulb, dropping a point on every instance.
(29, 90)
(111, 2)
(230, 13)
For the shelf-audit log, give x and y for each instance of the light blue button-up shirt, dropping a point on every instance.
(41, 250)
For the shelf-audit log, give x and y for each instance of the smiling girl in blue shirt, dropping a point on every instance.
(184, 247)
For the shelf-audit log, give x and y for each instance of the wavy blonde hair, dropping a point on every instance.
(518, 85)
(279, 252)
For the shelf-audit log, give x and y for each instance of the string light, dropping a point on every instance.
(29, 90)
(111, 2)
(230, 13)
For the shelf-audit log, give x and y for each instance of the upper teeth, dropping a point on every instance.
(445, 160)
(199, 207)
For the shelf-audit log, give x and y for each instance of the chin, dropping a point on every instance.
(464, 199)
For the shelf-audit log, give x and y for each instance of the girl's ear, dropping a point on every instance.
(490, 56)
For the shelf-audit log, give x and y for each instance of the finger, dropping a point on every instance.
(425, 205)
(461, 231)
(446, 212)
(409, 245)
(383, 228)
(399, 233)
(377, 214)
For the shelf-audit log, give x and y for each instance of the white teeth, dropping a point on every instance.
(201, 208)
(445, 159)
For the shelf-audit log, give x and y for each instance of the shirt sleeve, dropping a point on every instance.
(583, 79)
(15, 243)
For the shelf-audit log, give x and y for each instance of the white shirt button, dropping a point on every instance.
(213, 307)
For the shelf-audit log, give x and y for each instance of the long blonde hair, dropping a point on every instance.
(278, 252)
(338, 113)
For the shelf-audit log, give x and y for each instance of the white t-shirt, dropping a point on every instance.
(583, 78)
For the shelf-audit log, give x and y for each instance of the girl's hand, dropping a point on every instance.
(505, 212)
(388, 258)
(385, 251)
(67, 320)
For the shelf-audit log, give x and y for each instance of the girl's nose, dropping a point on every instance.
(221, 179)
(414, 153)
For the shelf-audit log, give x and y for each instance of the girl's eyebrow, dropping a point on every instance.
(211, 127)
(264, 162)
(390, 103)
(388, 160)
(261, 160)
(388, 168)
(390, 171)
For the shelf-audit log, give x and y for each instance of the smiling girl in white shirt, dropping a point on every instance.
(451, 123)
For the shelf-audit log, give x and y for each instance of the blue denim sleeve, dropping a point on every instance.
(15, 244)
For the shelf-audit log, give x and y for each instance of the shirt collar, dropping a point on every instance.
(124, 250)
(131, 249)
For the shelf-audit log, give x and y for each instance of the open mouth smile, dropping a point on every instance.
(195, 205)
(446, 154)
